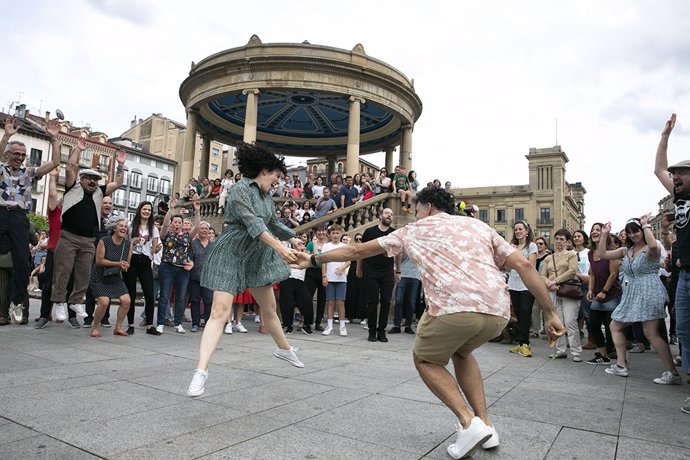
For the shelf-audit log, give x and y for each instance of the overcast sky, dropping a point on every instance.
(494, 76)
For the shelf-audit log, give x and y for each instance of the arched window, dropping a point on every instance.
(340, 168)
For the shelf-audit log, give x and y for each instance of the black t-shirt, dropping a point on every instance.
(682, 226)
(379, 263)
(82, 218)
(162, 207)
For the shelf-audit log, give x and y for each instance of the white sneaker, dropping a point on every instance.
(492, 441)
(60, 311)
(257, 318)
(327, 331)
(79, 309)
(16, 312)
(228, 328)
(240, 328)
(668, 379)
(343, 330)
(159, 328)
(196, 388)
(179, 329)
(289, 356)
(468, 440)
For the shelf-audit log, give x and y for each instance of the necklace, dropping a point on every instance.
(635, 252)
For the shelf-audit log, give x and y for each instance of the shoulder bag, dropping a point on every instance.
(571, 289)
(110, 273)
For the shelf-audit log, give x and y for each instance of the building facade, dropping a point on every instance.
(147, 178)
(548, 202)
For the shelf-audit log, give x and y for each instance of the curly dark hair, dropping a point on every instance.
(438, 198)
(252, 158)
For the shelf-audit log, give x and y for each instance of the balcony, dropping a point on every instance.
(545, 223)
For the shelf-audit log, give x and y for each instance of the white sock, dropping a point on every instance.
(330, 323)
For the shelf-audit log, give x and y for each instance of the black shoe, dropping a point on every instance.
(318, 328)
(408, 330)
(394, 330)
(152, 331)
(372, 337)
(130, 330)
(288, 330)
(106, 323)
(87, 321)
(613, 356)
(4, 321)
(381, 337)
(306, 329)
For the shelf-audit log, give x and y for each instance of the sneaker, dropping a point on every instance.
(288, 330)
(106, 323)
(525, 350)
(318, 328)
(492, 441)
(615, 369)
(381, 336)
(327, 331)
(577, 358)
(598, 359)
(289, 356)
(257, 319)
(469, 439)
(668, 379)
(152, 331)
(87, 322)
(74, 323)
(60, 311)
(686, 407)
(394, 330)
(160, 329)
(637, 348)
(372, 336)
(515, 349)
(306, 329)
(198, 385)
(678, 361)
(228, 329)
(364, 323)
(179, 329)
(16, 313)
(343, 330)
(79, 309)
(130, 329)
(195, 328)
(408, 330)
(41, 323)
(558, 355)
(240, 328)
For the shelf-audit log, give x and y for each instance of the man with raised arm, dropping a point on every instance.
(676, 179)
(81, 218)
(15, 202)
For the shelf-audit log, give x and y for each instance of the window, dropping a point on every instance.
(130, 216)
(35, 157)
(214, 169)
(119, 197)
(545, 215)
(547, 235)
(519, 213)
(484, 215)
(165, 167)
(64, 153)
(152, 184)
(134, 198)
(151, 198)
(340, 168)
(165, 186)
(500, 215)
(215, 152)
(135, 179)
(85, 158)
(104, 163)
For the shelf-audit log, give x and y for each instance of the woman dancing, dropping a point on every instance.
(248, 255)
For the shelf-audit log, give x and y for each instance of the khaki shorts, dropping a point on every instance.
(440, 337)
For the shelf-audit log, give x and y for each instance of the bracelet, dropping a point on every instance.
(397, 273)
(312, 259)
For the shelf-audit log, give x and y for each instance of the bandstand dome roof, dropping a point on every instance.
(304, 93)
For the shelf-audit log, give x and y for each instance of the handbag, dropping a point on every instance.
(571, 289)
(110, 273)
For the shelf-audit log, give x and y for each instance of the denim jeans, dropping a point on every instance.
(171, 276)
(406, 293)
(197, 293)
(683, 315)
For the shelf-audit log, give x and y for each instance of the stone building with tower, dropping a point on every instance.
(548, 202)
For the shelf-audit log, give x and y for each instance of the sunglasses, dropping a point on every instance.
(358, 239)
(540, 244)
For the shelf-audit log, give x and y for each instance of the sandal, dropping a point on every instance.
(95, 334)
(120, 332)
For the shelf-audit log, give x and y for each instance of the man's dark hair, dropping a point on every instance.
(438, 198)
(252, 158)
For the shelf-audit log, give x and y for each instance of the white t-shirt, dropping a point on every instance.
(317, 190)
(144, 245)
(331, 267)
(583, 262)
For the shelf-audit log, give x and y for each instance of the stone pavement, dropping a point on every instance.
(69, 396)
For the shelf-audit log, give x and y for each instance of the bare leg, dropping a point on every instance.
(619, 341)
(220, 313)
(266, 299)
(121, 311)
(469, 378)
(443, 385)
(341, 310)
(102, 305)
(651, 331)
(330, 309)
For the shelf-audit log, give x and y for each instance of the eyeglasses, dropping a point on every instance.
(678, 172)
(539, 243)
(359, 240)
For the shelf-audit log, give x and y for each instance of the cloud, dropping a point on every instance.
(137, 12)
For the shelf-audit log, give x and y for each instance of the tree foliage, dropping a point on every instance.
(39, 222)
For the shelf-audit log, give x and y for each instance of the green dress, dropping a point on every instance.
(239, 260)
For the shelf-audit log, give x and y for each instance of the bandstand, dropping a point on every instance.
(301, 100)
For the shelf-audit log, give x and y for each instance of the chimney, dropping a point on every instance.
(133, 123)
(20, 110)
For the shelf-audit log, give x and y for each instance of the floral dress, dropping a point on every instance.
(644, 296)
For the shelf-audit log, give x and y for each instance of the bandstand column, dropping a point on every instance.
(389, 159)
(353, 126)
(205, 155)
(331, 167)
(252, 113)
(406, 147)
(187, 169)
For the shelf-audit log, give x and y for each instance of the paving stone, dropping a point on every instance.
(582, 445)
(10, 432)
(657, 423)
(629, 448)
(42, 447)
